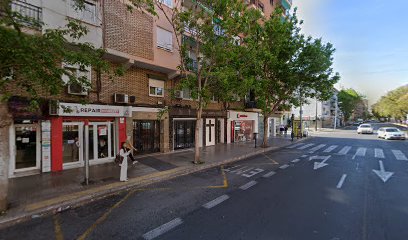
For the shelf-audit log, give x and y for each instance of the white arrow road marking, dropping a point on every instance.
(269, 174)
(248, 185)
(162, 229)
(379, 153)
(361, 152)
(382, 173)
(331, 148)
(399, 155)
(305, 146)
(216, 201)
(341, 181)
(295, 145)
(344, 150)
(321, 164)
(284, 166)
(295, 160)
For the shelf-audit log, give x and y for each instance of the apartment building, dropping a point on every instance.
(129, 107)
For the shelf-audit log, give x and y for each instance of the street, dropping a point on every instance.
(336, 185)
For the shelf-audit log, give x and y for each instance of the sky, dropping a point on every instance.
(370, 37)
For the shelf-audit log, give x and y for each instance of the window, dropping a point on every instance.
(87, 14)
(271, 1)
(156, 88)
(77, 87)
(168, 3)
(187, 94)
(164, 39)
(261, 7)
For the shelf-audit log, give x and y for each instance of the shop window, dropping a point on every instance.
(164, 39)
(156, 88)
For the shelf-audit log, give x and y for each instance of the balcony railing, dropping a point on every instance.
(31, 14)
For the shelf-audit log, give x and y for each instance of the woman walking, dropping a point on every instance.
(124, 153)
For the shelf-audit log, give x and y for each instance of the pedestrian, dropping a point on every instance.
(286, 130)
(124, 153)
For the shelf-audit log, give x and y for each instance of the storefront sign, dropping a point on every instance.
(46, 146)
(241, 116)
(92, 110)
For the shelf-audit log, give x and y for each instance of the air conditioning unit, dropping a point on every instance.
(53, 107)
(178, 94)
(120, 98)
(77, 89)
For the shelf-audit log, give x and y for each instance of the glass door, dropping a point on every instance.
(72, 143)
(101, 141)
(27, 147)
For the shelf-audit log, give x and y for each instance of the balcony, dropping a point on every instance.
(286, 4)
(30, 15)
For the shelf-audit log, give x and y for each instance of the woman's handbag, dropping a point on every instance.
(118, 159)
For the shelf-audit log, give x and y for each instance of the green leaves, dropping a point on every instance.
(393, 104)
(349, 99)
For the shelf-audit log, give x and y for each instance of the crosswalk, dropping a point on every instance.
(356, 152)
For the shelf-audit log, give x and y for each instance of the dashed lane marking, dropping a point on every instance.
(379, 153)
(248, 185)
(361, 152)
(269, 174)
(399, 155)
(284, 166)
(305, 146)
(342, 179)
(318, 147)
(295, 160)
(344, 150)
(303, 156)
(216, 201)
(331, 148)
(162, 229)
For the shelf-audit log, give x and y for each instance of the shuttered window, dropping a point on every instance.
(164, 39)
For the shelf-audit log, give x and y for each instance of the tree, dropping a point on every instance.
(206, 38)
(286, 66)
(394, 104)
(349, 99)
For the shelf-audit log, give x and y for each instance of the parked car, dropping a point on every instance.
(391, 133)
(365, 128)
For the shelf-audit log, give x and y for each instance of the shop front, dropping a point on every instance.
(80, 132)
(241, 126)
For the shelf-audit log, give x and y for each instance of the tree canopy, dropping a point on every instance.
(394, 104)
(348, 99)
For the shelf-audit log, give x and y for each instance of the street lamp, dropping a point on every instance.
(335, 113)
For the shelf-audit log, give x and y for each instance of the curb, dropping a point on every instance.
(59, 204)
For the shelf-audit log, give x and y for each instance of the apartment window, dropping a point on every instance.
(86, 14)
(187, 94)
(261, 7)
(77, 88)
(168, 3)
(164, 39)
(156, 88)
(271, 1)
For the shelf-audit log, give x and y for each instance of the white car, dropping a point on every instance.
(391, 133)
(365, 128)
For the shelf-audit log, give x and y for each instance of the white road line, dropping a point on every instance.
(284, 166)
(305, 146)
(331, 148)
(361, 152)
(318, 147)
(344, 150)
(378, 153)
(295, 160)
(248, 185)
(216, 201)
(269, 174)
(399, 155)
(341, 181)
(162, 229)
(295, 145)
(303, 156)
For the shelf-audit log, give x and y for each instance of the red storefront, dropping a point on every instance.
(80, 132)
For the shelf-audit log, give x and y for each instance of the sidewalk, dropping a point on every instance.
(40, 194)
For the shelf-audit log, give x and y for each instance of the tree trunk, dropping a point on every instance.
(5, 121)
(197, 135)
(265, 132)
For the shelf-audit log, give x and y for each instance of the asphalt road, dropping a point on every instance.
(322, 188)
